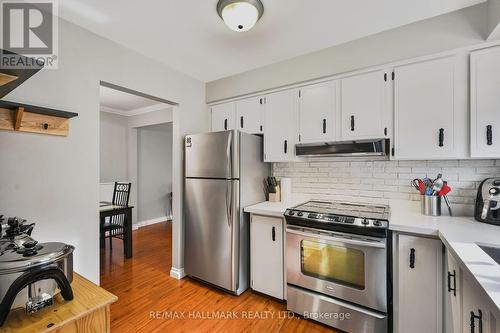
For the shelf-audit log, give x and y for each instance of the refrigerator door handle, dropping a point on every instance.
(235, 234)
(229, 153)
(228, 204)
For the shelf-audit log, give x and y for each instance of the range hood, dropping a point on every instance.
(361, 148)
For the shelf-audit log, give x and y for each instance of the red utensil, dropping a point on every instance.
(445, 190)
(421, 186)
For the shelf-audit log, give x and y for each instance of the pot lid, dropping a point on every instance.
(31, 254)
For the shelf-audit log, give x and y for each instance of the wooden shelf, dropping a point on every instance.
(34, 119)
(11, 78)
(6, 78)
(37, 109)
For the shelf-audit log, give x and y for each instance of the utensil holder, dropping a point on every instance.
(431, 205)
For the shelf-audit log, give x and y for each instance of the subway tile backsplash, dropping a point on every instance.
(379, 181)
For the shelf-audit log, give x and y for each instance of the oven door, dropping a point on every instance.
(349, 267)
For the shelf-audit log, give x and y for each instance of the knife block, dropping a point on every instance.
(275, 197)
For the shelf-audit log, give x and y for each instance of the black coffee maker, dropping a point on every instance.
(487, 208)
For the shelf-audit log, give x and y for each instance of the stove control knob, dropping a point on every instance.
(377, 223)
(291, 213)
(300, 214)
(365, 222)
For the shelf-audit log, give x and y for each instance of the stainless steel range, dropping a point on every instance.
(337, 264)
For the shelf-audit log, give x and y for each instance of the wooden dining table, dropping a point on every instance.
(107, 209)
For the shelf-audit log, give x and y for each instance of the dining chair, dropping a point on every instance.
(115, 226)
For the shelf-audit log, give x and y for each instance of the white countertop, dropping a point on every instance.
(276, 209)
(459, 234)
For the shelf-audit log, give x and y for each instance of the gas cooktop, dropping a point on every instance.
(344, 215)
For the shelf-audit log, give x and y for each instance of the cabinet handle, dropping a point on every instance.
(489, 135)
(441, 137)
(324, 126)
(412, 258)
(473, 318)
(285, 146)
(454, 289)
(225, 124)
(273, 234)
(241, 121)
(261, 128)
(352, 123)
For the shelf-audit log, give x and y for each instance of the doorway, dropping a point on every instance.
(135, 149)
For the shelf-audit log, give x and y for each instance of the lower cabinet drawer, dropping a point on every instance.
(330, 311)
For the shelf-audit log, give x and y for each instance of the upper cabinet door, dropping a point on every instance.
(424, 105)
(485, 103)
(317, 112)
(249, 115)
(223, 117)
(364, 105)
(281, 126)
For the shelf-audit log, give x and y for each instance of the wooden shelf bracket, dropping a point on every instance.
(18, 118)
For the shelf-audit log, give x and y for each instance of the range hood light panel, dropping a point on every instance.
(362, 148)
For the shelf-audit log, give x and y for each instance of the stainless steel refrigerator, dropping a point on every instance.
(224, 173)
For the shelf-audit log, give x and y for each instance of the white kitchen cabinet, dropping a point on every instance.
(485, 103)
(418, 285)
(223, 117)
(452, 295)
(318, 112)
(424, 106)
(364, 105)
(266, 255)
(250, 115)
(281, 126)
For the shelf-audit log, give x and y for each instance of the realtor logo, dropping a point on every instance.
(29, 29)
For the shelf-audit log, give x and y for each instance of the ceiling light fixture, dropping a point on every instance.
(240, 15)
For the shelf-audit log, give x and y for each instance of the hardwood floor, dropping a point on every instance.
(149, 300)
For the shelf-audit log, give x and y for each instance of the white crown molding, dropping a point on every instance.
(147, 109)
(113, 111)
(136, 112)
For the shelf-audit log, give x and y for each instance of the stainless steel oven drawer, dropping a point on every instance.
(335, 313)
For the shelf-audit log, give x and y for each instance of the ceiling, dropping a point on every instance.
(190, 37)
(115, 101)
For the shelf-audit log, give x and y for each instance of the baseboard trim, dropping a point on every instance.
(149, 222)
(177, 273)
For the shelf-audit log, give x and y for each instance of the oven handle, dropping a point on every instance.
(379, 245)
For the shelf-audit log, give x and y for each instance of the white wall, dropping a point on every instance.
(113, 147)
(154, 150)
(454, 30)
(134, 122)
(53, 181)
